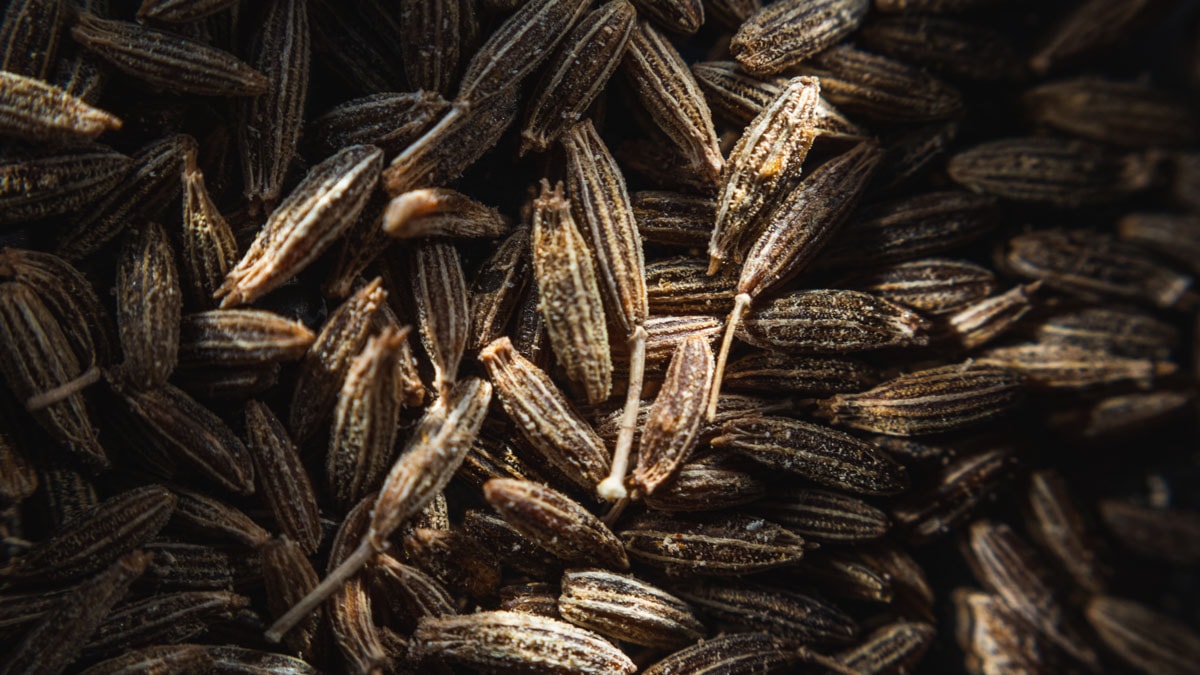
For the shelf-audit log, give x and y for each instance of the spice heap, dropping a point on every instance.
(557, 336)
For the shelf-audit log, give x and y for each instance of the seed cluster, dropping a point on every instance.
(565, 336)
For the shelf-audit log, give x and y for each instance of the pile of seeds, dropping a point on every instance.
(561, 336)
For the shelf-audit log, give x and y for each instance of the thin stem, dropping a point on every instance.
(613, 487)
(340, 575)
(63, 391)
(740, 303)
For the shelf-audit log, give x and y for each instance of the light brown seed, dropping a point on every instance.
(1011, 569)
(281, 478)
(720, 545)
(893, 648)
(931, 286)
(36, 111)
(762, 165)
(149, 305)
(325, 365)
(269, 125)
(501, 641)
(241, 337)
(544, 416)
(166, 60)
(786, 33)
(441, 212)
(440, 292)
(356, 636)
(144, 193)
(315, 214)
(366, 420)
(568, 295)
(577, 73)
(996, 641)
(49, 183)
(1066, 368)
(209, 248)
(672, 429)
(929, 401)
(984, 321)
(824, 515)
(105, 533)
(555, 522)
(627, 609)
(669, 93)
(535, 597)
(736, 653)
(680, 285)
(673, 218)
(791, 616)
(1148, 640)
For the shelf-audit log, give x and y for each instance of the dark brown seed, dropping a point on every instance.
(149, 305)
(957, 48)
(211, 518)
(1115, 112)
(929, 401)
(1057, 523)
(209, 247)
(1065, 368)
(849, 574)
(497, 288)
(984, 321)
(458, 561)
(144, 193)
(18, 479)
(95, 539)
(232, 337)
(535, 597)
(1145, 639)
(49, 183)
(773, 372)
(440, 294)
(824, 515)
(1172, 535)
(737, 654)
(1116, 419)
(269, 125)
(1088, 27)
(958, 489)
(1175, 236)
(30, 34)
(181, 11)
(627, 609)
(389, 121)
(818, 453)
(437, 40)
(832, 322)
(894, 648)
(676, 16)
(718, 546)
(931, 286)
(701, 486)
(671, 430)
(288, 576)
(673, 218)
(788, 615)
(166, 60)
(281, 478)
(786, 33)
(441, 212)
(166, 618)
(1122, 331)
(880, 88)
(409, 593)
(739, 97)
(555, 522)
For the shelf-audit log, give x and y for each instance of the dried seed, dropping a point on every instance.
(1090, 26)
(996, 641)
(288, 576)
(152, 183)
(389, 121)
(1108, 111)
(66, 627)
(269, 125)
(355, 634)
(149, 304)
(1094, 266)
(174, 426)
(740, 97)
(231, 337)
(893, 648)
(503, 641)
(820, 454)
(30, 34)
(672, 429)
(931, 286)
(832, 322)
(325, 365)
(1056, 522)
(178, 566)
(441, 212)
(181, 11)
(166, 60)
(849, 574)
(1045, 170)
(440, 292)
(281, 478)
(49, 183)
(909, 149)
(569, 297)
(438, 38)
(677, 16)
(209, 248)
(989, 318)
(731, 13)
(66, 491)
(1148, 640)
(166, 618)
(680, 285)
(699, 486)
(35, 111)
(794, 617)
(824, 515)
(1116, 330)
(38, 360)
(577, 73)
(316, 213)
(536, 597)
(497, 288)
(209, 517)
(673, 219)
(911, 227)
(98, 537)
(1010, 568)
(1066, 368)
(799, 227)
(511, 548)
(957, 490)
(544, 417)
(669, 93)
(876, 87)
(737, 654)
(929, 401)
(410, 593)
(787, 33)
(719, 546)
(1172, 535)
(627, 609)
(1175, 236)
(957, 48)
(366, 420)
(766, 160)
(555, 522)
